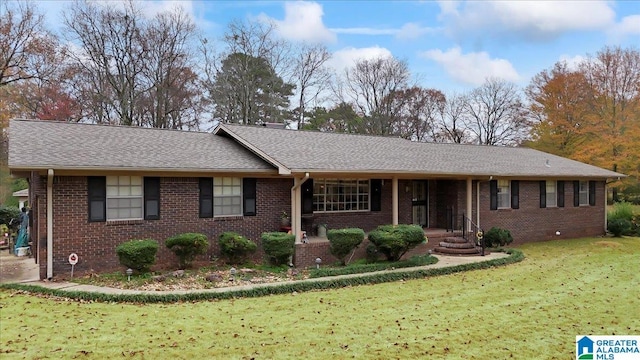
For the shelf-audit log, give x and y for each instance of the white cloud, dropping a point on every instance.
(572, 61)
(303, 22)
(410, 31)
(347, 57)
(630, 25)
(472, 68)
(531, 19)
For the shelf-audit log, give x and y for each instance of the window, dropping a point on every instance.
(504, 194)
(584, 193)
(340, 195)
(227, 196)
(552, 197)
(124, 197)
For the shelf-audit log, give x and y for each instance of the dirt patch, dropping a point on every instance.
(610, 244)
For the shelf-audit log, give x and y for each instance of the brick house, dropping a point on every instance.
(93, 187)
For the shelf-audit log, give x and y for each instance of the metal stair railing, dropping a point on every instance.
(472, 233)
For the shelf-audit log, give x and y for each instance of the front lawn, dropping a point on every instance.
(531, 309)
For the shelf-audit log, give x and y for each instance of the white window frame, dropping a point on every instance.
(504, 194)
(341, 195)
(125, 198)
(227, 196)
(584, 193)
(552, 193)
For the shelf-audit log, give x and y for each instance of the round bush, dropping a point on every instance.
(395, 240)
(619, 227)
(497, 237)
(278, 246)
(186, 246)
(138, 255)
(235, 246)
(344, 241)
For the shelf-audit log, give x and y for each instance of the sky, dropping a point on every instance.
(452, 46)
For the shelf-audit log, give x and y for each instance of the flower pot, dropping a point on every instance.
(322, 230)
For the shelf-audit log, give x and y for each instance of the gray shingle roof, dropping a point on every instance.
(303, 151)
(47, 144)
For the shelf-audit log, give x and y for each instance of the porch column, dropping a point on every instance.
(296, 221)
(394, 197)
(49, 223)
(469, 200)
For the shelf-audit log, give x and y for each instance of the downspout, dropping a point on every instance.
(296, 211)
(49, 223)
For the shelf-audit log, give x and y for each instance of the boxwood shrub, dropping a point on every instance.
(395, 240)
(235, 247)
(278, 246)
(186, 246)
(343, 241)
(497, 237)
(138, 255)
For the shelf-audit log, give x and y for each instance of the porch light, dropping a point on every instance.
(318, 262)
(129, 273)
(232, 271)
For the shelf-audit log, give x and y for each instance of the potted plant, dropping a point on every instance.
(284, 219)
(322, 230)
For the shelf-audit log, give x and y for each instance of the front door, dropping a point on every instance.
(420, 202)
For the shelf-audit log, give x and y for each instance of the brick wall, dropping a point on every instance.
(95, 242)
(531, 223)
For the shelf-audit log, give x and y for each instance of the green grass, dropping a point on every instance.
(531, 309)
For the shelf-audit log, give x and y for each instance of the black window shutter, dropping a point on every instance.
(592, 193)
(493, 194)
(543, 194)
(560, 193)
(515, 194)
(307, 197)
(576, 193)
(97, 191)
(376, 194)
(206, 197)
(151, 198)
(249, 196)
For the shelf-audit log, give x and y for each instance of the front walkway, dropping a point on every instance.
(443, 261)
(17, 269)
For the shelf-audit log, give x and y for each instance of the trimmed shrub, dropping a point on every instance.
(372, 253)
(497, 237)
(186, 246)
(619, 227)
(235, 247)
(344, 241)
(278, 246)
(138, 255)
(395, 241)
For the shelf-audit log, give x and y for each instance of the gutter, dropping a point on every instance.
(49, 224)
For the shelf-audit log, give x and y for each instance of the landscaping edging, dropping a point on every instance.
(269, 289)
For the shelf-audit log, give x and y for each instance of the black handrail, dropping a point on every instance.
(472, 233)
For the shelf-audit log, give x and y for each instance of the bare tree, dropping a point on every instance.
(310, 75)
(415, 111)
(451, 121)
(27, 49)
(370, 83)
(496, 114)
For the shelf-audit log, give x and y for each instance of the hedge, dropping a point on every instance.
(138, 254)
(343, 241)
(235, 247)
(278, 246)
(395, 240)
(186, 246)
(268, 289)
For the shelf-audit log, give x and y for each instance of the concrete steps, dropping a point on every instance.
(456, 246)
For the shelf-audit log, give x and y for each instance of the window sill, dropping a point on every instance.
(125, 222)
(228, 217)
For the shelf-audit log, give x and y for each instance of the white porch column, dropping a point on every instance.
(295, 209)
(605, 206)
(469, 200)
(394, 197)
(49, 223)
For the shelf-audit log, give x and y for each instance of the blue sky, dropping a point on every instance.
(449, 45)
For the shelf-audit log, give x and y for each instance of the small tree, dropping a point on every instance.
(344, 241)
(278, 246)
(235, 246)
(138, 255)
(395, 240)
(497, 237)
(186, 246)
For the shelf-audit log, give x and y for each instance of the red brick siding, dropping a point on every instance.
(531, 223)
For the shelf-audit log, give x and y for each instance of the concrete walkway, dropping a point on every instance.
(443, 261)
(17, 269)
